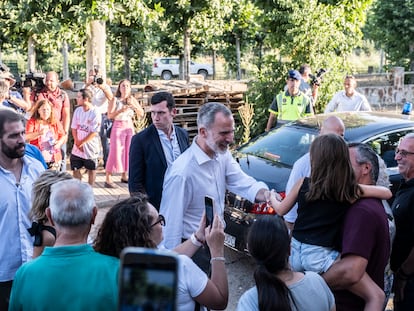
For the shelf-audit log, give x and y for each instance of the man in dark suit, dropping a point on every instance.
(155, 148)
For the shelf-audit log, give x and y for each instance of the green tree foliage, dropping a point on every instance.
(50, 22)
(243, 23)
(203, 20)
(128, 34)
(320, 33)
(391, 25)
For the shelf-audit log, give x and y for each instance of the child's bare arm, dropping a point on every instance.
(372, 191)
(282, 207)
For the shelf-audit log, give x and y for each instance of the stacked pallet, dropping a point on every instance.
(189, 96)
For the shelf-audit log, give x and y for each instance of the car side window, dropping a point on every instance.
(385, 146)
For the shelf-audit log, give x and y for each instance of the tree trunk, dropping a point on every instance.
(95, 47)
(187, 52)
(127, 70)
(214, 64)
(181, 71)
(65, 60)
(111, 63)
(31, 55)
(238, 75)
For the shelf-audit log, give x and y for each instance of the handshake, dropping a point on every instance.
(273, 200)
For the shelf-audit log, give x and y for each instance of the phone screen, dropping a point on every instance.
(208, 203)
(148, 282)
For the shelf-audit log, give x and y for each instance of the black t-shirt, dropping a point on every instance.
(403, 210)
(319, 222)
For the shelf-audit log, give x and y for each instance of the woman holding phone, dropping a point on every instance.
(135, 222)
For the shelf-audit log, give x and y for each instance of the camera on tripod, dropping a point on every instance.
(317, 78)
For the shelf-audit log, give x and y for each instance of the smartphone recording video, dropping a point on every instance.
(209, 207)
(148, 280)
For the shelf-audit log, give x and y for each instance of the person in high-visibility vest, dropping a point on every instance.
(291, 104)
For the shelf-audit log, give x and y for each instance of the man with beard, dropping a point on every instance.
(206, 168)
(17, 174)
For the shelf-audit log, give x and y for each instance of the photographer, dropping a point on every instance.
(60, 102)
(13, 99)
(309, 84)
(102, 94)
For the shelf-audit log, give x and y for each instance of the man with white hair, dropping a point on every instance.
(70, 275)
(206, 168)
(402, 255)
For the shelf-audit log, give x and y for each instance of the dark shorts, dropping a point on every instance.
(77, 163)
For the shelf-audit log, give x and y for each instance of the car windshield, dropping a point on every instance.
(284, 145)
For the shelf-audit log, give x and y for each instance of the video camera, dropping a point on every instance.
(317, 78)
(97, 78)
(34, 80)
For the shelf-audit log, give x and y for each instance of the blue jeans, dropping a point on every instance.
(307, 257)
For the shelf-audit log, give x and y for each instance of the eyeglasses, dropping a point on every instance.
(403, 153)
(160, 220)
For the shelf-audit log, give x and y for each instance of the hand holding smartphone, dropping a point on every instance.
(209, 208)
(148, 279)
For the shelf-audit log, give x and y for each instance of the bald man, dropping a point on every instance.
(60, 102)
(302, 167)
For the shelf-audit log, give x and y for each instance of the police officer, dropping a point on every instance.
(291, 104)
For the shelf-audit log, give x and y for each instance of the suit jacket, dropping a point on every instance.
(147, 162)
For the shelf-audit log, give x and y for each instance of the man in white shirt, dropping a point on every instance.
(348, 99)
(102, 94)
(17, 174)
(85, 128)
(206, 168)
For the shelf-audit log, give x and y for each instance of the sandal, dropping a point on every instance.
(110, 185)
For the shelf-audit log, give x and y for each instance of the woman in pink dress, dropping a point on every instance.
(46, 133)
(121, 110)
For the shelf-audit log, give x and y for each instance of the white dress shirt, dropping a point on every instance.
(341, 102)
(192, 176)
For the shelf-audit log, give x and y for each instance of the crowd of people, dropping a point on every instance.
(334, 250)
